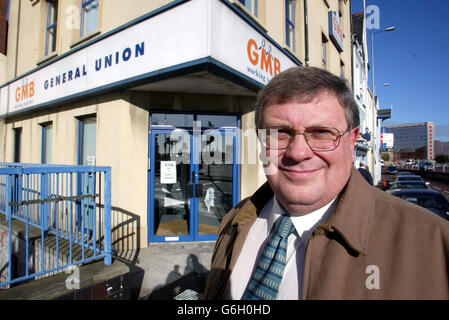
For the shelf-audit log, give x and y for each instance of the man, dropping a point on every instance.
(338, 238)
(365, 173)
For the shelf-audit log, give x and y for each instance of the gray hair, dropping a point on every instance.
(303, 84)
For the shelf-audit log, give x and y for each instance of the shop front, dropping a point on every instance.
(167, 96)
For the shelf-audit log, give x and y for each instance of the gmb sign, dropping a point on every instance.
(187, 33)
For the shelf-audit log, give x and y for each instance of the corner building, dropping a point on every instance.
(163, 93)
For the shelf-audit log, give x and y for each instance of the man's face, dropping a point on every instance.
(306, 180)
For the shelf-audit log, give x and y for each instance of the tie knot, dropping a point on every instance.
(283, 226)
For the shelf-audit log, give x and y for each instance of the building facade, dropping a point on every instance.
(413, 140)
(368, 143)
(162, 92)
(362, 94)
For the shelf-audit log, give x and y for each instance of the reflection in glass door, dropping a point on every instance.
(170, 179)
(216, 176)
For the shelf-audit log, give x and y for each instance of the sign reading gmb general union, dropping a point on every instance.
(203, 28)
(66, 78)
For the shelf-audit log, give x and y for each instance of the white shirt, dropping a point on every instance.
(291, 285)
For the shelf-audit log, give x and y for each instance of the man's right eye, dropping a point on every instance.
(283, 134)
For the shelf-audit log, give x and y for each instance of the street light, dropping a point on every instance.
(372, 54)
(374, 130)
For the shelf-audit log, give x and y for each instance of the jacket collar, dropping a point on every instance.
(252, 208)
(351, 219)
(354, 212)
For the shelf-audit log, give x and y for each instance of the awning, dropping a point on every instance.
(202, 46)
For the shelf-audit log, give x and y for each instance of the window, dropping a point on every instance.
(87, 141)
(89, 16)
(342, 70)
(324, 52)
(290, 23)
(50, 32)
(17, 143)
(251, 5)
(47, 134)
(340, 12)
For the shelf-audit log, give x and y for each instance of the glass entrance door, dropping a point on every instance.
(193, 183)
(170, 179)
(216, 173)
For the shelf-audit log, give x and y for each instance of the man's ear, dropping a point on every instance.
(354, 135)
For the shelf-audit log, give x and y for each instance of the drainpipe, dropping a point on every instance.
(306, 33)
(17, 40)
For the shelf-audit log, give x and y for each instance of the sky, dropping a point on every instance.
(413, 59)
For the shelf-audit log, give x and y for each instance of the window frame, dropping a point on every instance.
(51, 26)
(290, 23)
(83, 23)
(81, 132)
(253, 9)
(44, 145)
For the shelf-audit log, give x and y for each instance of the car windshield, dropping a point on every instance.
(409, 185)
(409, 178)
(434, 202)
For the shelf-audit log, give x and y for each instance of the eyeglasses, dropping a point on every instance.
(318, 138)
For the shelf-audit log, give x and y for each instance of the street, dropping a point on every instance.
(435, 185)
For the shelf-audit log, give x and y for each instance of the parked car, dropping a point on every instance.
(392, 169)
(409, 177)
(405, 173)
(407, 185)
(426, 165)
(432, 200)
(409, 162)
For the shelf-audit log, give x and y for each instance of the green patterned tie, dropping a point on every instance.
(264, 284)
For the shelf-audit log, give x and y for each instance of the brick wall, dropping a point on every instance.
(3, 26)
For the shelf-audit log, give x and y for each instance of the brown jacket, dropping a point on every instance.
(375, 246)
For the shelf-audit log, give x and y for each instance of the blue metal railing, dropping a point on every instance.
(61, 215)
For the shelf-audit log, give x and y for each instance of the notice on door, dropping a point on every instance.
(168, 172)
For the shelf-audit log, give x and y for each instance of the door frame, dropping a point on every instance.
(195, 158)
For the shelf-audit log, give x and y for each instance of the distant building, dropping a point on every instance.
(413, 140)
(441, 147)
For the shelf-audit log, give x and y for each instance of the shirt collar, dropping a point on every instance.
(305, 224)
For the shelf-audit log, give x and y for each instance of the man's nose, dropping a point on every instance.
(299, 149)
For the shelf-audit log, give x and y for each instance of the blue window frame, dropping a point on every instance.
(190, 207)
(290, 24)
(87, 131)
(52, 21)
(251, 5)
(89, 16)
(47, 138)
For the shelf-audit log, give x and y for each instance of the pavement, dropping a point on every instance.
(164, 270)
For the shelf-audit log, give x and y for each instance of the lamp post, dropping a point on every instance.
(374, 113)
(372, 54)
